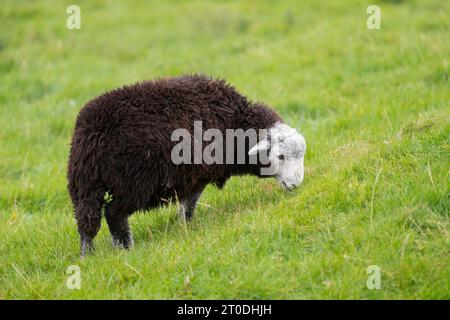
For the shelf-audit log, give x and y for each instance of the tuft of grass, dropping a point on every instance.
(372, 104)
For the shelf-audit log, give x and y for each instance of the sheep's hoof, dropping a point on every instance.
(184, 215)
(124, 242)
(189, 216)
(186, 218)
(86, 247)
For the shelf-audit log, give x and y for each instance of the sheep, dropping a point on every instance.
(122, 147)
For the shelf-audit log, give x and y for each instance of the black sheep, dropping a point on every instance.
(122, 146)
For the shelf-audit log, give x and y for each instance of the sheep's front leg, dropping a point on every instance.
(187, 206)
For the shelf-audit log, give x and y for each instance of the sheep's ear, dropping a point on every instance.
(260, 146)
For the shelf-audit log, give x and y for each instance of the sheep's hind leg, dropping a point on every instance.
(88, 214)
(187, 206)
(117, 219)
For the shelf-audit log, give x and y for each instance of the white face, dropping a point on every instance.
(287, 152)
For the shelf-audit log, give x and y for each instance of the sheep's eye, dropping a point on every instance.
(281, 157)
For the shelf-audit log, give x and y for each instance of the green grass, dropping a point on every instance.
(372, 104)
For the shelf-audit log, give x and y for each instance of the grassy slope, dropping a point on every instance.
(373, 106)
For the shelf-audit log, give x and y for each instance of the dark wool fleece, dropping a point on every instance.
(122, 144)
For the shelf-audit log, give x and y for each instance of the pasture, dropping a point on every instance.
(373, 106)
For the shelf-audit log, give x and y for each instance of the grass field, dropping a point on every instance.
(373, 106)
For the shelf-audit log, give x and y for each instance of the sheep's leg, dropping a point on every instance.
(88, 214)
(117, 219)
(187, 206)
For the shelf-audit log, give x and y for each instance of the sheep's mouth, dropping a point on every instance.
(285, 186)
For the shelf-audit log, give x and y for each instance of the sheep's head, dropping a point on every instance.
(285, 149)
